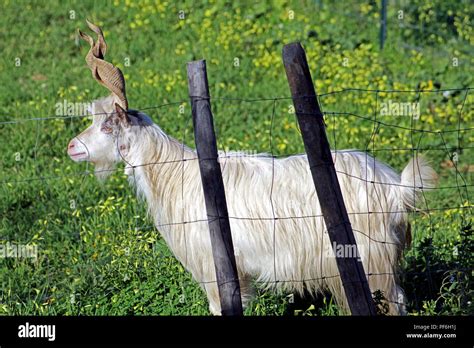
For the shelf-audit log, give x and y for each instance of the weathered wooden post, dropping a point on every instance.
(311, 123)
(213, 185)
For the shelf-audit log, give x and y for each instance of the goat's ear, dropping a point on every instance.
(122, 115)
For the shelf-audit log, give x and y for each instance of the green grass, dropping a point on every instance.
(99, 253)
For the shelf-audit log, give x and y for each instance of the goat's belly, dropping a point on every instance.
(281, 247)
(300, 249)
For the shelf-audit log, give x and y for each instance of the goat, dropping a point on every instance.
(277, 228)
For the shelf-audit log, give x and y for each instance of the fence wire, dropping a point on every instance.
(437, 143)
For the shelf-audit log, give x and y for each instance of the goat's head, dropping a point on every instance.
(104, 143)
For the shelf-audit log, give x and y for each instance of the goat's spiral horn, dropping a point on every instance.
(106, 73)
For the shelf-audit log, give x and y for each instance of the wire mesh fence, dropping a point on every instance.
(386, 133)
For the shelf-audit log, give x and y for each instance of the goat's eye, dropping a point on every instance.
(106, 129)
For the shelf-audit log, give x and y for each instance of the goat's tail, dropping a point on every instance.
(417, 176)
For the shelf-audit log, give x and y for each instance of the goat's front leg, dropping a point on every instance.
(246, 290)
(212, 293)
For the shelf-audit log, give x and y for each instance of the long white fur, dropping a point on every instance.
(279, 235)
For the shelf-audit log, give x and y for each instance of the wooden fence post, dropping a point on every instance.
(311, 123)
(213, 185)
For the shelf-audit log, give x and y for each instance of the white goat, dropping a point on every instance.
(277, 228)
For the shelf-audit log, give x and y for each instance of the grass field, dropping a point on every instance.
(99, 254)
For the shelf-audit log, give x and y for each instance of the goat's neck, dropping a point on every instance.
(155, 164)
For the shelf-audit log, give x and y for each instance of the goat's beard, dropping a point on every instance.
(103, 170)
